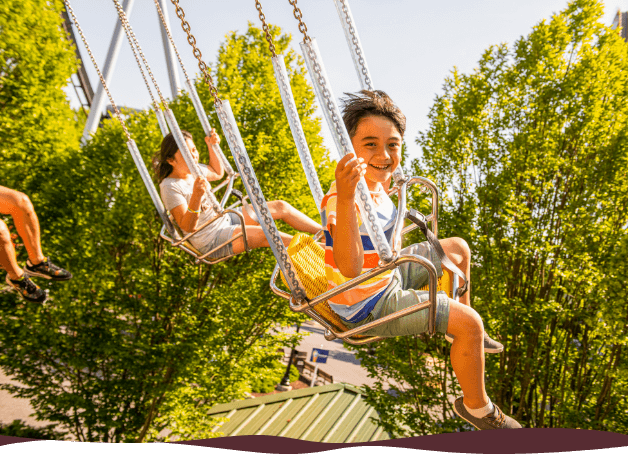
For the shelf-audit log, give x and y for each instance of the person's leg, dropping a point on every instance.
(281, 210)
(7, 253)
(467, 353)
(19, 206)
(458, 252)
(255, 238)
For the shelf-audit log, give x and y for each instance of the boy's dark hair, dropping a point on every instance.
(366, 103)
(168, 149)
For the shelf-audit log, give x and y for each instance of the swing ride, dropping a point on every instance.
(301, 265)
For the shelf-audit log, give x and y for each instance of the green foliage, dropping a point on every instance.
(36, 121)
(143, 341)
(531, 155)
(19, 429)
(267, 378)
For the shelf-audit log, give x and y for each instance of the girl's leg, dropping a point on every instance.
(467, 353)
(19, 206)
(7, 253)
(255, 238)
(281, 210)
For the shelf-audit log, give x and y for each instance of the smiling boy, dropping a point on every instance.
(376, 126)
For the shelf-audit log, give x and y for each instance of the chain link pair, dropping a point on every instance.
(196, 51)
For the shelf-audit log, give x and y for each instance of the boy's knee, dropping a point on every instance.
(463, 247)
(472, 321)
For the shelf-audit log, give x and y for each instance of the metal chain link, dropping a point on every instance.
(298, 15)
(197, 53)
(379, 240)
(174, 47)
(356, 45)
(269, 38)
(102, 79)
(129, 32)
(255, 194)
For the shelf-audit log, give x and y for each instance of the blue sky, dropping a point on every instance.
(410, 46)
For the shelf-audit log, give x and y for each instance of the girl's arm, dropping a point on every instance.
(348, 250)
(186, 215)
(215, 169)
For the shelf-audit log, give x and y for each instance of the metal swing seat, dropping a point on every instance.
(170, 231)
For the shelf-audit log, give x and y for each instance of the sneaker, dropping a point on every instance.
(47, 270)
(496, 420)
(490, 345)
(27, 289)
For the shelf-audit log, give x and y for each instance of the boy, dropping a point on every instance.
(376, 128)
(19, 206)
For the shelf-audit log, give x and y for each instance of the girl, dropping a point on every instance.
(186, 200)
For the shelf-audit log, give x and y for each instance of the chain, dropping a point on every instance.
(262, 18)
(133, 40)
(102, 79)
(379, 239)
(356, 45)
(176, 51)
(197, 53)
(299, 16)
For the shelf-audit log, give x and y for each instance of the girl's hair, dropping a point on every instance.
(168, 149)
(366, 103)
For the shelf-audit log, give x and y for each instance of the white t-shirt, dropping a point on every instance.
(175, 192)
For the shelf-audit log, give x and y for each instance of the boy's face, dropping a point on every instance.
(378, 142)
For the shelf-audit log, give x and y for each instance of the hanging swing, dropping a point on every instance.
(366, 83)
(170, 230)
(306, 254)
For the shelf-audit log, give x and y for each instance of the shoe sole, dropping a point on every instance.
(26, 298)
(48, 277)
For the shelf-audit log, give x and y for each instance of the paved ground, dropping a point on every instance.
(341, 364)
(12, 408)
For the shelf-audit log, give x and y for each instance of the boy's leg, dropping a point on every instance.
(19, 206)
(281, 210)
(414, 276)
(7, 253)
(458, 252)
(467, 353)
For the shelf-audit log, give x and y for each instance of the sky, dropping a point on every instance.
(411, 46)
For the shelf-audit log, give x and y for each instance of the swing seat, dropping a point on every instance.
(181, 240)
(308, 259)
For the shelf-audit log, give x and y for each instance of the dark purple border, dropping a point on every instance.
(527, 440)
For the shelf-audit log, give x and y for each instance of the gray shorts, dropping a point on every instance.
(222, 236)
(401, 294)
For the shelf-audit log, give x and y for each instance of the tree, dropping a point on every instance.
(142, 340)
(530, 153)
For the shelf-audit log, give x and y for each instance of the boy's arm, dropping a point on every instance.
(348, 251)
(215, 169)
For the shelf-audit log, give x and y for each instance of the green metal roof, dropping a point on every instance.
(330, 413)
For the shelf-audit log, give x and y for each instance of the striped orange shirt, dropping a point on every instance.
(360, 297)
